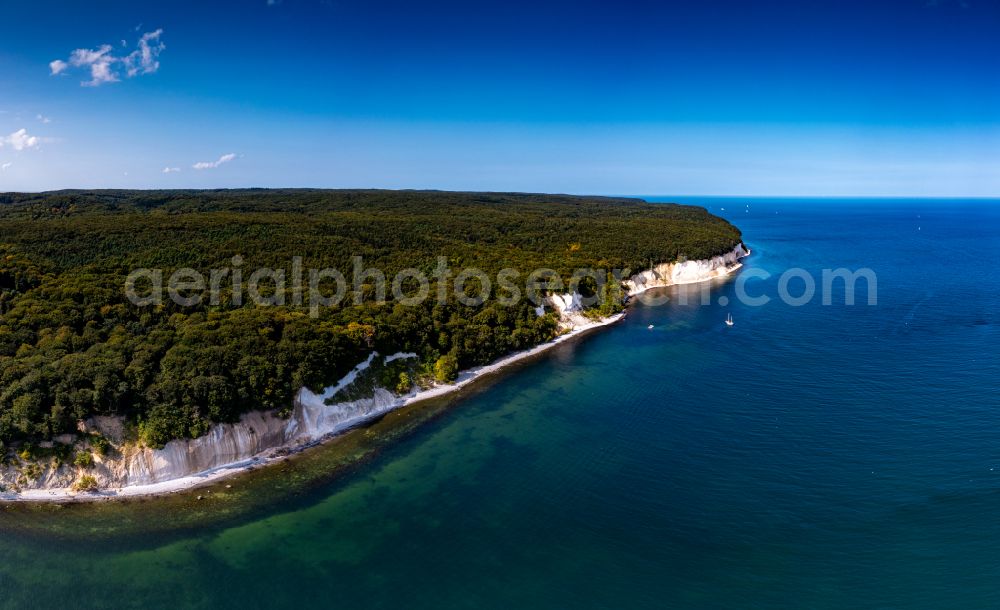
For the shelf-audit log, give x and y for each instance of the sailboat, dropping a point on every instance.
(729, 320)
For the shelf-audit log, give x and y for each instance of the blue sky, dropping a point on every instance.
(699, 97)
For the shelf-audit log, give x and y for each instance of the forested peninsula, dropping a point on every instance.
(73, 347)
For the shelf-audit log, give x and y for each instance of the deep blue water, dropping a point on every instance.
(814, 456)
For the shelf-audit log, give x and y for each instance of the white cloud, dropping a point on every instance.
(4, 167)
(43, 119)
(213, 164)
(98, 61)
(145, 59)
(170, 170)
(20, 140)
(106, 67)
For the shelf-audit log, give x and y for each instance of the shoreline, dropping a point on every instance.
(279, 454)
(194, 481)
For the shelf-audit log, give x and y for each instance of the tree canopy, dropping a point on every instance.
(72, 345)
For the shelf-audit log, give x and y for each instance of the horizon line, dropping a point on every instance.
(514, 192)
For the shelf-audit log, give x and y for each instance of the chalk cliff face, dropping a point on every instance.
(569, 306)
(259, 435)
(224, 444)
(256, 435)
(686, 272)
(253, 435)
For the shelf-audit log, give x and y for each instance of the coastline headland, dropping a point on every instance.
(259, 438)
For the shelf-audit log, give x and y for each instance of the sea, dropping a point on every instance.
(815, 454)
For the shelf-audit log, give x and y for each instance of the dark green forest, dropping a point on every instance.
(72, 345)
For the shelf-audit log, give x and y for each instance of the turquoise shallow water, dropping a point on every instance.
(814, 456)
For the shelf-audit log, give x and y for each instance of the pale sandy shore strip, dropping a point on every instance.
(221, 472)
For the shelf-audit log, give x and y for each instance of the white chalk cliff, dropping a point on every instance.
(569, 306)
(257, 434)
(686, 272)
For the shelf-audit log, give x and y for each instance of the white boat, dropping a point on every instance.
(650, 327)
(729, 320)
